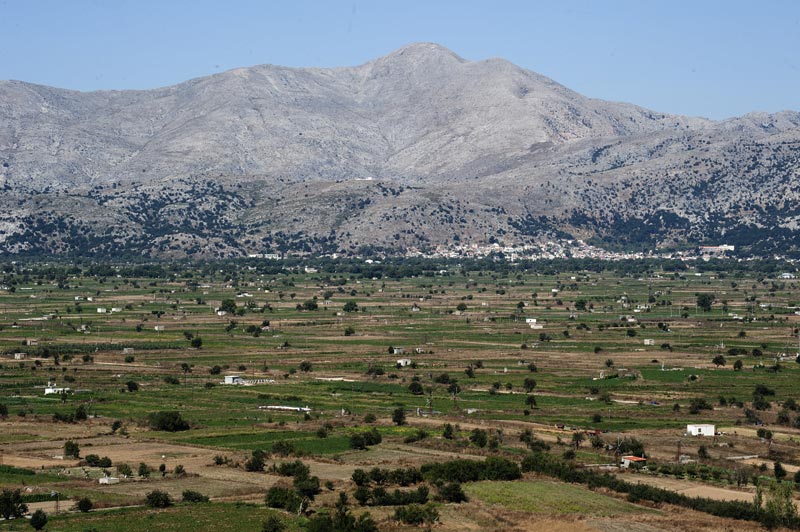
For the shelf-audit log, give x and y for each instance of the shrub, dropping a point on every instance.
(71, 449)
(38, 519)
(256, 462)
(283, 498)
(452, 492)
(399, 416)
(307, 486)
(84, 505)
(194, 496)
(416, 514)
(158, 499)
(283, 448)
(168, 421)
(479, 437)
(273, 523)
(11, 504)
(292, 469)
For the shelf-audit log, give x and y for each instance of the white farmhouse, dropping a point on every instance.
(403, 362)
(700, 430)
(233, 379)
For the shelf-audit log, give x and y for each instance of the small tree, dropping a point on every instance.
(256, 461)
(530, 401)
(144, 470)
(702, 452)
(449, 432)
(11, 504)
(718, 360)
(193, 496)
(350, 306)
(416, 388)
(529, 384)
(158, 499)
(84, 505)
(780, 471)
(38, 519)
(399, 416)
(71, 449)
(704, 301)
(479, 437)
(273, 523)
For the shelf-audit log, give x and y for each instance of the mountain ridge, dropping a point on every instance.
(470, 139)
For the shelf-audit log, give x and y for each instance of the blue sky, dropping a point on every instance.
(703, 57)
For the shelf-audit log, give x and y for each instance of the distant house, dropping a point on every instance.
(116, 309)
(787, 276)
(127, 350)
(158, 328)
(398, 351)
(51, 389)
(20, 356)
(31, 342)
(700, 430)
(632, 462)
(415, 308)
(403, 362)
(101, 310)
(649, 341)
(233, 379)
(108, 480)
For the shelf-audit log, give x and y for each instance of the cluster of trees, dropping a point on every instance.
(401, 477)
(362, 440)
(774, 513)
(493, 468)
(379, 496)
(168, 421)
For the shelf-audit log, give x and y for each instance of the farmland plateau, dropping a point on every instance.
(352, 395)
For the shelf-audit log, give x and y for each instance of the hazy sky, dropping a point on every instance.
(699, 57)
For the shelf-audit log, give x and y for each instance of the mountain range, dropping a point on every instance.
(417, 149)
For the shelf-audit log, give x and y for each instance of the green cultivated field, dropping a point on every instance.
(544, 497)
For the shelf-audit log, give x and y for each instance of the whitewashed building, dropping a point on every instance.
(700, 430)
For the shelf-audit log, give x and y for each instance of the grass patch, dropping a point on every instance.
(544, 497)
(211, 517)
